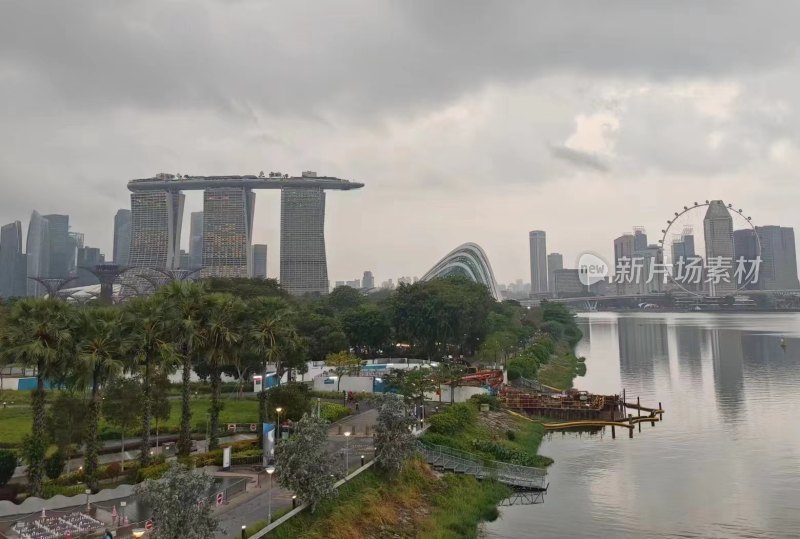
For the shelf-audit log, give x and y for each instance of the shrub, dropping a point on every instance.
(212, 458)
(452, 419)
(112, 471)
(511, 435)
(333, 412)
(54, 465)
(504, 453)
(152, 472)
(50, 489)
(491, 400)
(8, 462)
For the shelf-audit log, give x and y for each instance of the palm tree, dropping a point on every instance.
(99, 361)
(185, 306)
(146, 339)
(223, 338)
(36, 333)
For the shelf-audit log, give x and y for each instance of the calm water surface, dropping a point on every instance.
(724, 463)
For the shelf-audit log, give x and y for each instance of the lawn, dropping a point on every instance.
(15, 423)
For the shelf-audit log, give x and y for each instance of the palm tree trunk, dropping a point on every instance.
(90, 459)
(185, 437)
(147, 405)
(213, 437)
(37, 448)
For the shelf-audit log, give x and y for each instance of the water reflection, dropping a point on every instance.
(724, 463)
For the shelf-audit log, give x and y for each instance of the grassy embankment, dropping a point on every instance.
(416, 503)
(419, 502)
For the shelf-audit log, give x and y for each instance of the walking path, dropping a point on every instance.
(253, 505)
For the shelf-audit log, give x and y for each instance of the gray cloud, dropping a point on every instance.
(579, 158)
(457, 114)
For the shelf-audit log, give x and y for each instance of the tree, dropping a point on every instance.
(181, 509)
(447, 374)
(343, 364)
(246, 288)
(185, 307)
(367, 328)
(66, 422)
(54, 465)
(223, 339)
(412, 384)
(394, 442)
(323, 334)
(36, 333)
(8, 463)
(303, 464)
(344, 298)
(98, 363)
(146, 330)
(122, 408)
(160, 406)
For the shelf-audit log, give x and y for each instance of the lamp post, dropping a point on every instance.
(243, 531)
(122, 505)
(347, 453)
(294, 501)
(87, 491)
(270, 470)
(279, 410)
(319, 404)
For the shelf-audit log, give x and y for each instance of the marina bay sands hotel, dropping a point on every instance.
(228, 207)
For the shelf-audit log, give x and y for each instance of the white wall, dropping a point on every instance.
(361, 384)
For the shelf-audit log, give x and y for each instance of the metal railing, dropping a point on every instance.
(533, 384)
(457, 461)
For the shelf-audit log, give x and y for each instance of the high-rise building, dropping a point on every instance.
(304, 265)
(196, 240)
(58, 230)
(653, 278)
(745, 247)
(185, 260)
(718, 233)
(260, 261)
(122, 237)
(682, 254)
(37, 249)
(227, 232)
(567, 282)
(87, 260)
(156, 218)
(624, 248)
(639, 238)
(75, 242)
(778, 270)
(368, 280)
(554, 262)
(538, 251)
(13, 263)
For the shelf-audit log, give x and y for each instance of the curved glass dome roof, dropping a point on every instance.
(467, 260)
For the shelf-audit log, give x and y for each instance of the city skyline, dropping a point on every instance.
(619, 132)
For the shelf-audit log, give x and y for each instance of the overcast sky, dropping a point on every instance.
(467, 121)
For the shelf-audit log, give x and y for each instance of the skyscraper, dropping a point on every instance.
(639, 239)
(122, 237)
(368, 280)
(156, 218)
(260, 261)
(745, 246)
(624, 247)
(682, 254)
(227, 232)
(88, 259)
(718, 233)
(75, 242)
(538, 252)
(13, 263)
(778, 269)
(554, 262)
(196, 240)
(58, 230)
(37, 249)
(304, 265)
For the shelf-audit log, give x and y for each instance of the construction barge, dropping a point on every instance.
(576, 409)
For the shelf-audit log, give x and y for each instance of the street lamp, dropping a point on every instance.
(279, 410)
(122, 505)
(243, 531)
(347, 452)
(270, 470)
(87, 491)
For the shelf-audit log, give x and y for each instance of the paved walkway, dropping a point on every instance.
(252, 506)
